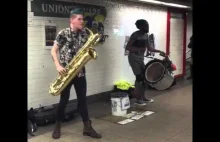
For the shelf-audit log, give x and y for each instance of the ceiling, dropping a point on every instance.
(188, 2)
(182, 2)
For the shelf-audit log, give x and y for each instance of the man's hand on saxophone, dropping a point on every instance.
(61, 70)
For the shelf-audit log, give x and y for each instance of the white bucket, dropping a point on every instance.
(120, 105)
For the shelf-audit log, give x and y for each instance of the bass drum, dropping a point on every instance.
(157, 76)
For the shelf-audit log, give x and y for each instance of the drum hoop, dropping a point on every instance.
(149, 64)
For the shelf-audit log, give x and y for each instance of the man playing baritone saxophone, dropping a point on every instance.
(68, 42)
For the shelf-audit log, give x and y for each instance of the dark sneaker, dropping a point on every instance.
(140, 103)
(148, 100)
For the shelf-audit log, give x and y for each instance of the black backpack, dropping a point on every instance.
(32, 126)
(47, 115)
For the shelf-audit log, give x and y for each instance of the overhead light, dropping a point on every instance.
(151, 1)
(175, 5)
(165, 3)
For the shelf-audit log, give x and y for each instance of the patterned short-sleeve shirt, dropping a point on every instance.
(69, 43)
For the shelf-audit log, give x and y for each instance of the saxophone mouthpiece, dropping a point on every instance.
(90, 32)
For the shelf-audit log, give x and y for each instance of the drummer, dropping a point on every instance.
(137, 45)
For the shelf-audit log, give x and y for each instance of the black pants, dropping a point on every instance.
(80, 88)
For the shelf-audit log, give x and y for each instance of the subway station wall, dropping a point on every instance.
(111, 64)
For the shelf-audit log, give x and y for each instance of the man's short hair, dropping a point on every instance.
(76, 11)
(140, 23)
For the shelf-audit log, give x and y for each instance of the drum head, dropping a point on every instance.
(154, 71)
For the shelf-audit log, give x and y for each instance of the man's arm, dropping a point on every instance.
(54, 53)
(151, 49)
(131, 48)
(59, 42)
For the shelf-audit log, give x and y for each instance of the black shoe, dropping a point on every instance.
(148, 100)
(140, 103)
(89, 131)
(56, 132)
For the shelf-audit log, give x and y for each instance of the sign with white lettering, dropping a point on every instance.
(48, 8)
(94, 16)
(30, 18)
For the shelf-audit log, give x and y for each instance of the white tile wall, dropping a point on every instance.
(176, 43)
(111, 64)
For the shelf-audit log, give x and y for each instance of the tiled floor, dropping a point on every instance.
(172, 121)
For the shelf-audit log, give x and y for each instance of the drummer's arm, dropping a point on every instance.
(151, 49)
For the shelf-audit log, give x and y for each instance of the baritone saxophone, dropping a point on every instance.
(86, 53)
